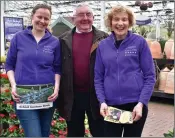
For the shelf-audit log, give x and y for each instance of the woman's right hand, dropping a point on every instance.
(104, 109)
(15, 96)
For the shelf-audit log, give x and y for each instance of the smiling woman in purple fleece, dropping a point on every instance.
(124, 73)
(34, 59)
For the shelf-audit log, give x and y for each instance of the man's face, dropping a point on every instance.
(83, 19)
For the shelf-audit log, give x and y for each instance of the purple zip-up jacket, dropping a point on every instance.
(126, 74)
(32, 62)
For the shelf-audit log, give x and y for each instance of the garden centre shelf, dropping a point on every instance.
(162, 94)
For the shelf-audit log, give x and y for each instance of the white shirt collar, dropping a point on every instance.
(77, 31)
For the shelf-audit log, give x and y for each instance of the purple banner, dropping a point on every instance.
(143, 22)
(11, 26)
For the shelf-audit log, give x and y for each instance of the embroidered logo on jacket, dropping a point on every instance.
(48, 49)
(131, 51)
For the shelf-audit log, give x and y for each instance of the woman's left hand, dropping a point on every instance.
(54, 96)
(137, 112)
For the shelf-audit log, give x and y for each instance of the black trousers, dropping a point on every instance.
(76, 126)
(128, 130)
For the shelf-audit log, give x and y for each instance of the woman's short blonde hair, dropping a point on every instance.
(118, 9)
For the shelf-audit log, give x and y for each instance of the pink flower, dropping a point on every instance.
(12, 115)
(60, 132)
(2, 115)
(61, 119)
(51, 136)
(64, 132)
(21, 131)
(53, 122)
(61, 136)
(87, 131)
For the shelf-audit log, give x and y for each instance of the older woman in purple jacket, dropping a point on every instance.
(124, 73)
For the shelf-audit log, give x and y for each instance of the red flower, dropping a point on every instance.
(64, 132)
(12, 115)
(7, 90)
(61, 136)
(11, 103)
(51, 136)
(61, 119)
(21, 131)
(86, 131)
(53, 122)
(2, 115)
(60, 132)
(4, 76)
(12, 128)
(6, 102)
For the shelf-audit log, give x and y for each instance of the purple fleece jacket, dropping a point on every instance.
(126, 74)
(32, 62)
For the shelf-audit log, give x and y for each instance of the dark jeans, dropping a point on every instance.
(128, 130)
(36, 123)
(76, 126)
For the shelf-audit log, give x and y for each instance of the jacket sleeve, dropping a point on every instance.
(99, 71)
(147, 67)
(57, 59)
(11, 55)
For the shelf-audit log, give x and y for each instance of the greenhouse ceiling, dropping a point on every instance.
(164, 10)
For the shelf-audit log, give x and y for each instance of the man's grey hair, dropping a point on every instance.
(82, 5)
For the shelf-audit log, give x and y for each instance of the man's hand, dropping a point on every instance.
(137, 111)
(103, 109)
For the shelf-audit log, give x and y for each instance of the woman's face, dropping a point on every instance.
(41, 19)
(120, 25)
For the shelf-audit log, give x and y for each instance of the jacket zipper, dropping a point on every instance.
(37, 47)
(36, 56)
(118, 80)
(118, 72)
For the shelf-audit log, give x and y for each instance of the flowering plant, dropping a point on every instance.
(13, 131)
(9, 121)
(11, 124)
(58, 126)
(4, 78)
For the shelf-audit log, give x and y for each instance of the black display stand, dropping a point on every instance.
(162, 94)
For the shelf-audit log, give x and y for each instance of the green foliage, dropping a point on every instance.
(170, 28)
(142, 30)
(170, 134)
(162, 44)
